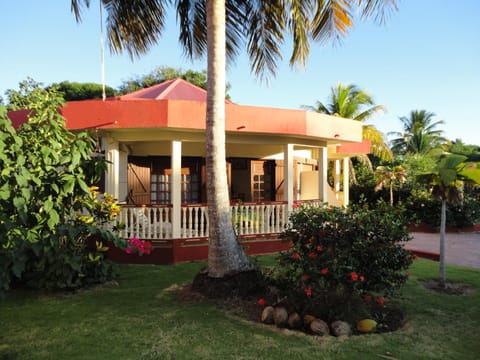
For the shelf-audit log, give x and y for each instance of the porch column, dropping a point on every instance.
(337, 175)
(176, 187)
(322, 174)
(346, 181)
(112, 177)
(288, 175)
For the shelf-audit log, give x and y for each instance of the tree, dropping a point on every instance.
(419, 135)
(82, 91)
(446, 182)
(21, 99)
(47, 210)
(350, 102)
(388, 176)
(134, 26)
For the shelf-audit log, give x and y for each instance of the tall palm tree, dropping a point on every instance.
(419, 135)
(446, 181)
(350, 102)
(135, 26)
(388, 176)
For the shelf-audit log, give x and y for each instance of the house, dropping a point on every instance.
(154, 140)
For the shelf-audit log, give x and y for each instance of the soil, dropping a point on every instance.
(239, 295)
(458, 289)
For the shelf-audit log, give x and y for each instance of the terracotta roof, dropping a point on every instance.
(176, 89)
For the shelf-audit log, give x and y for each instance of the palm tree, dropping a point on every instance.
(446, 182)
(419, 135)
(350, 102)
(388, 176)
(135, 26)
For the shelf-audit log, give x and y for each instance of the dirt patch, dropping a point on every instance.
(244, 303)
(458, 289)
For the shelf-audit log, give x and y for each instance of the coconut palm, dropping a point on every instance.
(419, 135)
(388, 176)
(446, 182)
(350, 102)
(135, 26)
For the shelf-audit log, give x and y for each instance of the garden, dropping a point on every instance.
(345, 288)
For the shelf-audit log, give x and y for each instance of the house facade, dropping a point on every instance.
(154, 142)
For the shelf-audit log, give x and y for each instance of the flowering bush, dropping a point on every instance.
(339, 254)
(140, 247)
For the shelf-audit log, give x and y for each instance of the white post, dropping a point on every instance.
(337, 176)
(322, 174)
(288, 175)
(113, 167)
(346, 181)
(176, 187)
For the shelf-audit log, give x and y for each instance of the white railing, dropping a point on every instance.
(155, 222)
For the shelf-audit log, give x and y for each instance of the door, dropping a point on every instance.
(138, 180)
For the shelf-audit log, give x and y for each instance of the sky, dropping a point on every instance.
(426, 56)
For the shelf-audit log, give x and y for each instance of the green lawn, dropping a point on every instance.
(138, 319)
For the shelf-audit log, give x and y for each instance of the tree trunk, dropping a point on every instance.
(443, 219)
(391, 193)
(225, 255)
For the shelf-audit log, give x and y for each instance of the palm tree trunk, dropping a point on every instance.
(391, 193)
(225, 255)
(443, 219)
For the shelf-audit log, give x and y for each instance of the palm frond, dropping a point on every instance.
(265, 27)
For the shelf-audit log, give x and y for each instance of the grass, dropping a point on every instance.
(139, 319)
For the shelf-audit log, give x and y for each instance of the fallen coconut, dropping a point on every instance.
(340, 328)
(267, 315)
(294, 321)
(280, 316)
(319, 327)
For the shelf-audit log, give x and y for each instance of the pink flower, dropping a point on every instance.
(380, 301)
(129, 250)
(354, 276)
(319, 248)
(308, 292)
(324, 271)
(261, 301)
(295, 256)
(362, 278)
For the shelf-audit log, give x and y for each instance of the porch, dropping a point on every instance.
(258, 226)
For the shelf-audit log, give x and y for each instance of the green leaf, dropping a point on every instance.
(19, 203)
(48, 205)
(53, 220)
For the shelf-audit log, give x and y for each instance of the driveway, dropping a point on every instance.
(461, 248)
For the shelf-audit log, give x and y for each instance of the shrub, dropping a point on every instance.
(43, 190)
(341, 255)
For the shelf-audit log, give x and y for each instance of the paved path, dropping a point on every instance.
(461, 248)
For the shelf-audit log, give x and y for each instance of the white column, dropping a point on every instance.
(123, 176)
(322, 174)
(346, 181)
(288, 175)
(113, 167)
(176, 187)
(337, 175)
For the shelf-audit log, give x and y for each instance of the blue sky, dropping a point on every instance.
(427, 56)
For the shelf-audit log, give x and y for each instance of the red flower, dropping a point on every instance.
(311, 240)
(324, 271)
(312, 255)
(261, 301)
(380, 301)
(367, 298)
(295, 205)
(362, 278)
(306, 276)
(296, 256)
(354, 276)
(308, 292)
(319, 248)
